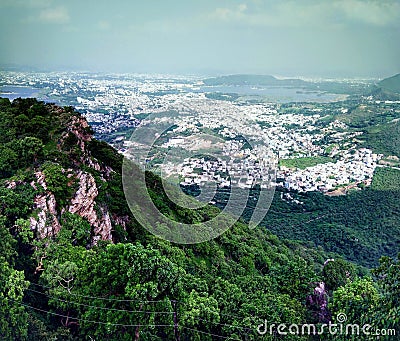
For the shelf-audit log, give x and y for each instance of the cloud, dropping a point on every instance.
(379, 13)
(311, 13)
(26, 3)
(57, 15)
(226, 14)
(39, 3)
(104, 25)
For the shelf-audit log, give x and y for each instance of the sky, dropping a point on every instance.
(309, 38)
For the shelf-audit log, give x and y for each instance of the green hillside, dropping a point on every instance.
(384, 138)
(336, 87)
(391, 84)
(75, 265)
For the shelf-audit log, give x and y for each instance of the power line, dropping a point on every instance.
(98, 307)
(127, 325)
(122, 300)
(118, 324)
(310, 220)
(207, 333)
(90, 321)
(238, 317)
(133, 311)
(105, 298)
(137, 311)
(223, 324)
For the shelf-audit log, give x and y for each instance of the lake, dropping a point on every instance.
(12, 92)
(275, 93)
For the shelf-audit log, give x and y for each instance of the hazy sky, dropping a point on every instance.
(289, 38)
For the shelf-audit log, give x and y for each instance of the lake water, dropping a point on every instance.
(275, 94)
(12, 92)
(269, 94)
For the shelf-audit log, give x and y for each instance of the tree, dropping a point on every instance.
(8, 162)
(57, 182)
(127, 285)
(357, 299)
(8, 243)
(75, 229)
(13, 315)
(388, 278)
(337, 273)
(200, 312)
(30, 149)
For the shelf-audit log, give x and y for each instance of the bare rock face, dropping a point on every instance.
(102, 230)
(122, 221)
(78, 126)
(46, 223)
(83, 201)
(317, 302)
(12, 185)
(93, 164)
(84, 204)
(46, 220)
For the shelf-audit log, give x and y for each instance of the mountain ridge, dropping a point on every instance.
(68, 272)
(391, 83)
(334, 86)
(249, 79)
(68, 234)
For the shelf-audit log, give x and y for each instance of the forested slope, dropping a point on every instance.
(76, 265)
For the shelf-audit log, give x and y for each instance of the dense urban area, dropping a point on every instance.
(317, 148)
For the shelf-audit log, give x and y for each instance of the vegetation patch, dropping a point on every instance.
(304, 162)
(386, 179)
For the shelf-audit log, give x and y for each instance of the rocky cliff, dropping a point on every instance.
(70, 172)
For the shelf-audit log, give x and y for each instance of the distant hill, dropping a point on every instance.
(265, 80)
(336, 87)
(391, 84)
(383, 94)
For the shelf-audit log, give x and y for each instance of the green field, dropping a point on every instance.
(386, 179)
(384, 139)
(304, 162)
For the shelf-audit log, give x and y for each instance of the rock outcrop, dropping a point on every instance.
(46, 222)
(84, 204)
(73, 138)
(79, 127)
(317, 302)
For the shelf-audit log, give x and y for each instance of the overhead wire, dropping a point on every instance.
(89, 321)
(122, 324)
(105, 298)
(98, 307)
(130, 311)
(207, 333)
